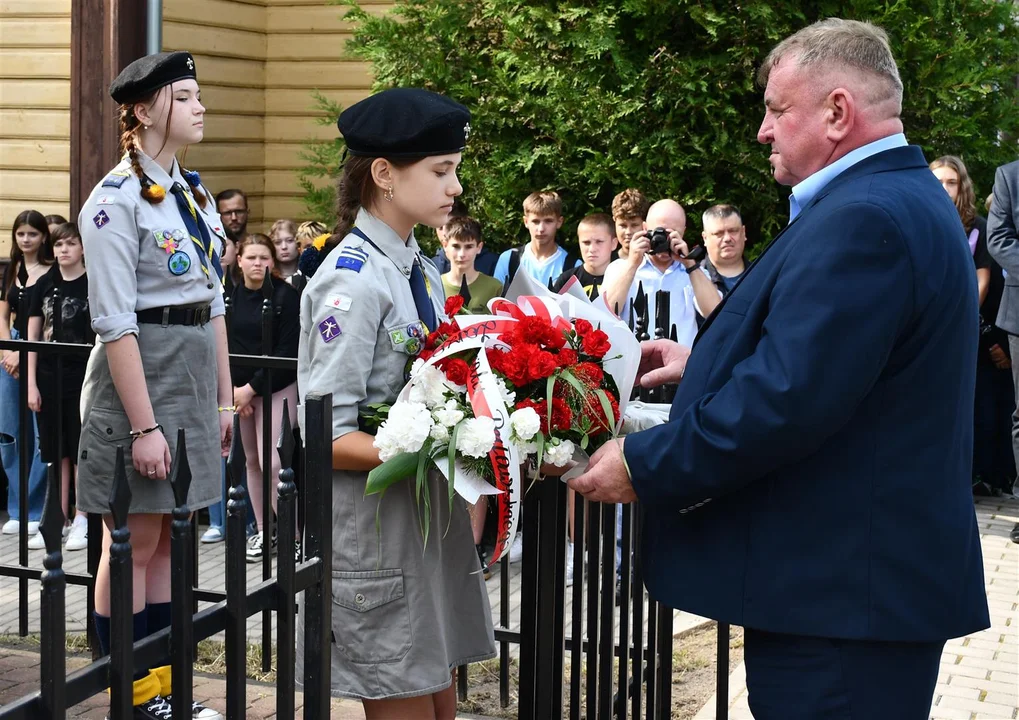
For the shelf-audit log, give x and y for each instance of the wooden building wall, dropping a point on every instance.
(35, 101)
(259, 62)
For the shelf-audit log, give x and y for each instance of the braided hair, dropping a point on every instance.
(130, 127)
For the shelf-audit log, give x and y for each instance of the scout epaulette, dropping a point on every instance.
(116, 179)
(351, 258)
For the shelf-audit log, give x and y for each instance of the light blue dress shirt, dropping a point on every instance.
(804, 192)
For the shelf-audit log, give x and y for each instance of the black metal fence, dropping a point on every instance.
(623, 672)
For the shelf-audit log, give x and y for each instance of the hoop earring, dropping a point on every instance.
(388, 195)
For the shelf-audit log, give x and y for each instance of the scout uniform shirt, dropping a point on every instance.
(140, 254)
(360, 330)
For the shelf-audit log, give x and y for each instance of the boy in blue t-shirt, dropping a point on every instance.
(542, 258)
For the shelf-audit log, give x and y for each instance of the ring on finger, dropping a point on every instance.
(151, 473)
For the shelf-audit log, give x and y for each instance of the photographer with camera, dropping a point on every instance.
(659, 259)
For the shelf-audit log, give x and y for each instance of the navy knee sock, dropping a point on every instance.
(159, 616)
(139, 630)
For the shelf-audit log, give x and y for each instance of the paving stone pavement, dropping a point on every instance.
(979, 677)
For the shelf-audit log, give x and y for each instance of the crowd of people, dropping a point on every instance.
(168, 306)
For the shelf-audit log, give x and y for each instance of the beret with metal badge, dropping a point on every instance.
(150, 73)
(405, 123)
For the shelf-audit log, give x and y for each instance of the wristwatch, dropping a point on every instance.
(693, 267)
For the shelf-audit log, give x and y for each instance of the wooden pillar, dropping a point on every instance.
(106, 35)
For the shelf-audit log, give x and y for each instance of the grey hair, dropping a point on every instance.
(720, 212)
(837, 43)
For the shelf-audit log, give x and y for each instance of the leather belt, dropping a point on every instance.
(164, 316)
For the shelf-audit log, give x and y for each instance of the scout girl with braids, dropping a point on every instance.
(151, 240)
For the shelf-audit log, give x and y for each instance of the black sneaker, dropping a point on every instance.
(158, 708)
(200, 712)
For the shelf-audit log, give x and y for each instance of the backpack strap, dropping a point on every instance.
(514, 264)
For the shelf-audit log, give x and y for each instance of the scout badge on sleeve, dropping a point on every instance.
(329, 329)
(101, 219)
(339, 302)
(351, 259)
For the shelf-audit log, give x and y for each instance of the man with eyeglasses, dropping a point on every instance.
(725, 237)
(232, 205)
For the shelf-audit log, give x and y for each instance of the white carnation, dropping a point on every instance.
(508, 396)
(406, 430)
(476, 437)
(440, 433)
(560, 454)
(427, 385)
(449, 414)
(525, 423)
(526, 448)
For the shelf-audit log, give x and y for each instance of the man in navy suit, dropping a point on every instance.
(812, 484)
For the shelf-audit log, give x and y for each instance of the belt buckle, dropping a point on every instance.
(166, 316)
(202, 315)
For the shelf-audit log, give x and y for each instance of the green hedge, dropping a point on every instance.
(592, 97)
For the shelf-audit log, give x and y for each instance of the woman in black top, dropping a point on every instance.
(31, 258)
(256, 256)
(993, 463)
(75, 326)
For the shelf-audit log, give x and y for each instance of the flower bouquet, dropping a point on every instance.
(539, 382)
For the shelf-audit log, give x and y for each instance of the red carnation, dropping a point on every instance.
(562, 416)
(596, 344)
(589, 373)
(456, 370)
(535, 330)
(582, 326)
(567, 358)
(515, 365)
(454, 304)
(541, 365)
(594, 412)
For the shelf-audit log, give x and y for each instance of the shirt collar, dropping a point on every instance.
(806, 190)
(400, 252)
(646, 264)
(158, 175)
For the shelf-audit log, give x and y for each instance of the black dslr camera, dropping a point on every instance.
(660, 242)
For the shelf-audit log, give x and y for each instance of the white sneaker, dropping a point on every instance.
(213, 535)
(253, 553)
(77, 539)
(37, 542)
(569, 564)
(11, 527)
(516, 553)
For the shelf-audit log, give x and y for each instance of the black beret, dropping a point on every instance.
(405, 123)
(147, 74)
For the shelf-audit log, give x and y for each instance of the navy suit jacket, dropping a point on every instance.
(814, 477)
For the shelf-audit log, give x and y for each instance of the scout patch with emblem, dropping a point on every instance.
(329, 329)
(339, 302)
(351, 259)
(179, 263)
(416, 330)
(409, 339)
(169, 240)
(101, 219)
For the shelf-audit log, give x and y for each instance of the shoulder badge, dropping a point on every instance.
(351, 259)
(116, 179)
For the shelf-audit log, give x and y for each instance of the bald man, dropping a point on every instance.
(690, 292)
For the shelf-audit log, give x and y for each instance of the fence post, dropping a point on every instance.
(236, 578)
(121, 598)
(182, 628)
(53, 687)
(287, 513)
(266, 521)
(318, 630)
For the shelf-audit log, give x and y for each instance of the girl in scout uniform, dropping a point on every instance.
(151, 238)
(404, 613)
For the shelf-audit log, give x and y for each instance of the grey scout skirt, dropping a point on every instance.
(180, 372)
(404, 613)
